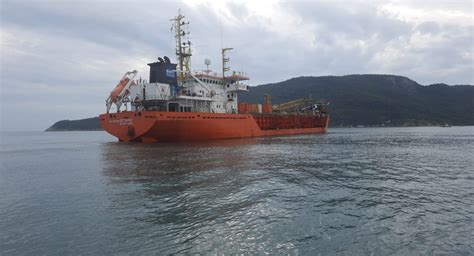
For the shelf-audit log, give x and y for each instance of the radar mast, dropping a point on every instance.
(183, 46)
(225, 61)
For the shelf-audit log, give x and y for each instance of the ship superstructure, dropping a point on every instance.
(177, 103)
(175, 88)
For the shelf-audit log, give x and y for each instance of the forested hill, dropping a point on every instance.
(377, 99)
(368, 100)
(88, 124)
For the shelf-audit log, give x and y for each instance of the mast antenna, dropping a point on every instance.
(183, 46)
(225, 61)
(220, 28)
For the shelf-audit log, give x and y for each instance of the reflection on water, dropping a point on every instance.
(345, 191)
(192, 197)
(404, 191)
(159, 160)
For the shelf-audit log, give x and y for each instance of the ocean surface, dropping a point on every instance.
(360, 191)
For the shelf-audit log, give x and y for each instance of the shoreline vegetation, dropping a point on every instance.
(358, 101)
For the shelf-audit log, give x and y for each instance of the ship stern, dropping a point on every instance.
(127, 126)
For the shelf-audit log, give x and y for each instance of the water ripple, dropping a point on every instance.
(352, 191)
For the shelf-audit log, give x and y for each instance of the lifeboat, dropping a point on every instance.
(116, 96)
(118, 89)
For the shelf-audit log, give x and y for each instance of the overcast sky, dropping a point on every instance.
(60, 59)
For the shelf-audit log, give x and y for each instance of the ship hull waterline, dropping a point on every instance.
(153, 126)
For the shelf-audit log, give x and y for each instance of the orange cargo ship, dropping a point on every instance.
(177, 104)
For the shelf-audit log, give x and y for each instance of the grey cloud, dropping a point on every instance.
(429, 27)
(107, 23)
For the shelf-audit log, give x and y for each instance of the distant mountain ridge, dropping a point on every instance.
(367, 100)
(374, 100)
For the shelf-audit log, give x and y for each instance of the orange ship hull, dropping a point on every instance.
(152, 126)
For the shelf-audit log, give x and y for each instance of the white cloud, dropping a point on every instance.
(446, 12)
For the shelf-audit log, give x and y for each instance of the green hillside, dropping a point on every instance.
(88, 124)
(377, 99)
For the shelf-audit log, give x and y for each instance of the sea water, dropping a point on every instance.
(361, 191)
